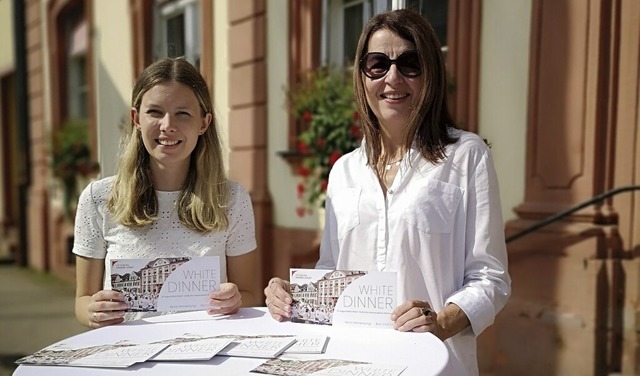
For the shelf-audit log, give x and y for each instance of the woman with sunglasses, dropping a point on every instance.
(419, 196)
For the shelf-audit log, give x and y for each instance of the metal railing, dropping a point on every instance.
(565, 213)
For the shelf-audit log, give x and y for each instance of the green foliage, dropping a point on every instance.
(71, 158)
(325, 106)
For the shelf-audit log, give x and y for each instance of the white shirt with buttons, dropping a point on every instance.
(439, 226)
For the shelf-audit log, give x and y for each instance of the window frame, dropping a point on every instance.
(142, 22)
(77, 86)
(61, 14)
(191, 10)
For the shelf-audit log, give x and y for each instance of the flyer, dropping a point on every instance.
(326, 367)
(308, 344)
(187, 347)
(343, 297)
(261, 346)
(117, 355)
(191, 347)
(166, 283)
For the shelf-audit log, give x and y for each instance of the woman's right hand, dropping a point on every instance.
(278, 299)
(106, 307)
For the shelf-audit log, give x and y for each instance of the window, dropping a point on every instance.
(343, 26)
(76, 62)
(354, 16)
(347, 18)
(436, 11)
(176, 30)
(71, 82)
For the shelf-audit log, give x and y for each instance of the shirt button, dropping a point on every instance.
(390, 191)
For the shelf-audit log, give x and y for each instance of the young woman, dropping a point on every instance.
(169, 198)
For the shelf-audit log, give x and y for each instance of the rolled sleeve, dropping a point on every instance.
(487, 285)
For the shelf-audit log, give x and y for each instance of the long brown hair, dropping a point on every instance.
(429, 120)
(203, 199)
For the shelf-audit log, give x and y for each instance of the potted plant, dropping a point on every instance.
(71, 160)
(325, 105)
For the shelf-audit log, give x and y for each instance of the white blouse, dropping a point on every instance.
(440, 227)
(98, 236)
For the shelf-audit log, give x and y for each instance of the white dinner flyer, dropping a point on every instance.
(326, 367)
(258, 346)
(120, 357)
(308, 344)
(191, 347)
(343, 297)
(166, 283)
(111, 355)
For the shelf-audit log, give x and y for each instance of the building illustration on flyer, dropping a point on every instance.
(343, 297)
(326, 367)
(166, 283)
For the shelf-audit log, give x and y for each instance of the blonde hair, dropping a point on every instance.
(204, 196)
(430, 119)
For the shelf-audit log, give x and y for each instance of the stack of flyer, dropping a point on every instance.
(189, 347)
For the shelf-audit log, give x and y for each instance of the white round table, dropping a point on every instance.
(422, 353)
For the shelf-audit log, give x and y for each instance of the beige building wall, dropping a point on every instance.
(113, 73)
(7, 58)
(221, 72)
(504, 75)
(282, 182)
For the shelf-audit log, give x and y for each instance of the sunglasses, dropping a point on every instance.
(376, 64)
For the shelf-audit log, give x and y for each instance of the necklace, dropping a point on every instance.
(390, 165)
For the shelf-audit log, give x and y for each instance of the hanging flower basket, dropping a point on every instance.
(71, 160)
(325, 105)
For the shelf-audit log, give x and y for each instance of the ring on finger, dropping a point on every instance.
(426, 311)
(95, 316)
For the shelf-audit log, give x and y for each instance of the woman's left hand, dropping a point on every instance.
(415, 315)
(225, 301)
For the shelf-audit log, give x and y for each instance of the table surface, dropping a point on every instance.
(422, 353)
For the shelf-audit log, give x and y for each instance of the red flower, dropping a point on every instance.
(300, 211)
(333, 157)
(304, 171)
(325, 138)
(302, 146)
(354, 130)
